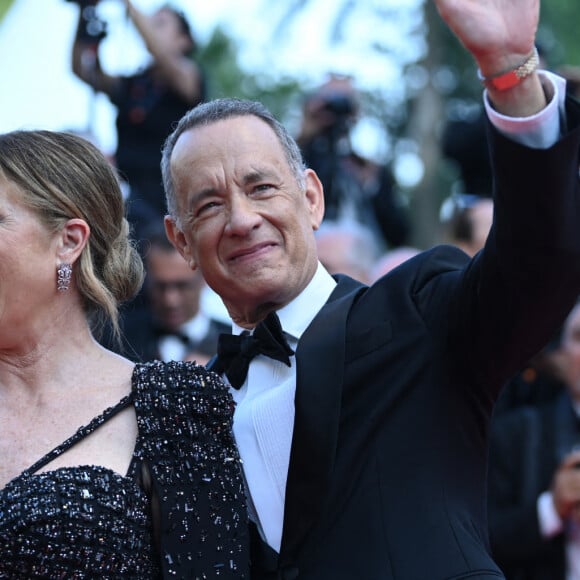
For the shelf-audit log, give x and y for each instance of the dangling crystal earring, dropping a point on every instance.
(63, 273)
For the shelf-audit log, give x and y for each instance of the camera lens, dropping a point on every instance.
(340, 105)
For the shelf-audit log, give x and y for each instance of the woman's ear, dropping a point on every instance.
(176, 236)
(74, 236)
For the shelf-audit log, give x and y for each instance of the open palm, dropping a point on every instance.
(492, 29)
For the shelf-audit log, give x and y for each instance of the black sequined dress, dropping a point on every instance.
(179, 512)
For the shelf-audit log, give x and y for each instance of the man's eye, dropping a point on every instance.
(263, 187)
(206, 207)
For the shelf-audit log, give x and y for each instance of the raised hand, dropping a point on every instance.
(500, 34)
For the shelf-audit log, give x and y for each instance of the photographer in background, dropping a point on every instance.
(355, 188)
(148, 102)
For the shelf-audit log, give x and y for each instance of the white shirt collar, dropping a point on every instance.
(296, 316)
(197, 327)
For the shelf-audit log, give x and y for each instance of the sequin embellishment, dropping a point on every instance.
(89, 522)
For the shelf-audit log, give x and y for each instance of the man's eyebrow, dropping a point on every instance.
(254, 176)
(258, 175)
(202, 194)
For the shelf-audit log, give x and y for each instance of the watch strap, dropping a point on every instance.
(507, 80)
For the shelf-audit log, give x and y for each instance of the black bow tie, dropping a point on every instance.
(234, 353)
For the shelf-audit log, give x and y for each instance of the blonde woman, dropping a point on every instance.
(108, 468)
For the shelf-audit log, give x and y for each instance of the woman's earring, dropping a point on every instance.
(63, 273)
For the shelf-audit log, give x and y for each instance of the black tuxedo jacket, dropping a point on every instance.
(396, 385)
(527, 446)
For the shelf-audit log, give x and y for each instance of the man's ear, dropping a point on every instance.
(73, 238)
(177, 238)
(314, 198)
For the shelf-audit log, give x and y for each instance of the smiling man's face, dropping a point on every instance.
(245, 221)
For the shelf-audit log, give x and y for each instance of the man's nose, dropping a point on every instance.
(172, 296)
(243, 215)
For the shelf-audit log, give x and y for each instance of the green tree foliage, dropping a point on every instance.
(226, 78)
(4, 5)
(558, 33)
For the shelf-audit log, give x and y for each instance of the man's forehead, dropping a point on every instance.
(238, 150)
(232, 131)
(158, 269)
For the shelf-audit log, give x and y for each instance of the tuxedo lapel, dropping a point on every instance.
(319, 378)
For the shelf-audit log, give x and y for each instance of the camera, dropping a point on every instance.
(84, 3)
(92, 29)
(339, 104)
(342, 108)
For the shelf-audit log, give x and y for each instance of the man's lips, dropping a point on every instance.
(250, 251)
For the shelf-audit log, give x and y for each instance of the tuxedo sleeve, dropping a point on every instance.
(541, 130)
(517, 292)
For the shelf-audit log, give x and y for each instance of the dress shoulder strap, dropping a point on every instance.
(81, 433)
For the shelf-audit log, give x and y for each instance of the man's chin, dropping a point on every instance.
(173, 324)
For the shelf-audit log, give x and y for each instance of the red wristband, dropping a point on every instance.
(513, 77)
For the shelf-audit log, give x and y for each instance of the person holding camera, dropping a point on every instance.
(355, 188)
(148, 101)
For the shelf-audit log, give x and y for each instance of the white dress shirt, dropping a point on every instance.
(264, 415)
(541, 130)
(173, 348)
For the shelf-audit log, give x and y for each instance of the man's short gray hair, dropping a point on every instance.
(218, 110)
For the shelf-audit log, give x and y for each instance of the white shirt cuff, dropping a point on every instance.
(550, 522)
(541, 130)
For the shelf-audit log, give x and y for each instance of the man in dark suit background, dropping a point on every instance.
(364, 441)
(170, 323)
(534, 480)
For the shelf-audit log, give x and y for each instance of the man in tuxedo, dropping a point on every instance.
(172, 324)
(534, 481)
(364, 435)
